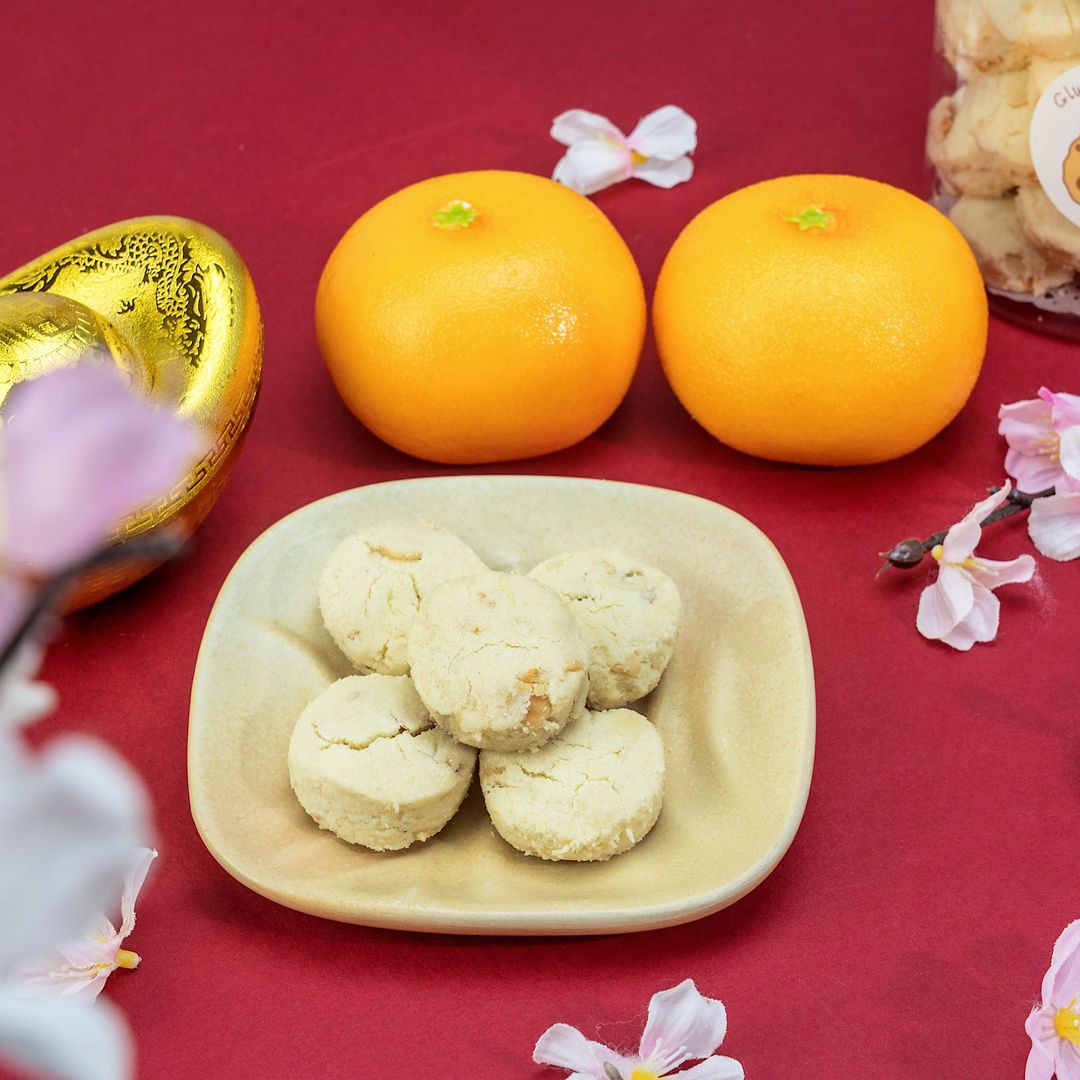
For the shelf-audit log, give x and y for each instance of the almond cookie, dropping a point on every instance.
(368, 764)
(1000, 122)
(1043, 72)
(1047, 28)
(972, 42)
(499, 661)
(372, 586)
(962, 165)
(1008, 260)
(592, 792)
(1047, 227)
(628, 613)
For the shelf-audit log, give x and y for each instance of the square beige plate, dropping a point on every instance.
(735, 708)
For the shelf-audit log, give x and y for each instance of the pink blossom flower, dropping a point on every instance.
(1054, 521)
(79, 449)
(80, 968)
(682, 1026)
(960, 607)
(1054, 1025)
(599, 154)
(1033, 429)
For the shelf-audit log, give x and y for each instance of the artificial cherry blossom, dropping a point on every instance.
(599, 154)
(79, 969)
(682, 1026)
(79, 449)
(1038, 454)
(960, 607)
(1054, 1024)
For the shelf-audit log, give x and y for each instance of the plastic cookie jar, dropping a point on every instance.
(1003, 141)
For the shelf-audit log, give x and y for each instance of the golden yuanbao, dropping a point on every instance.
(172, 304)
(481, 316)
(824, 320)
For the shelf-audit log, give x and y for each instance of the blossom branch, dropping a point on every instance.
(909, 553)
(156, 547)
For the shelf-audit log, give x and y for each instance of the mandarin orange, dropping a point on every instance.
(481, 316)
(824, 320)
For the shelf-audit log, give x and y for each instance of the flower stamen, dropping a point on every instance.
(1067, 1023)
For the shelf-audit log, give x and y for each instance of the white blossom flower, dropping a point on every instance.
(79, 968)
(960, 608)
(599, 154)
(683, 1026)
(70, 818)
(64, 1040)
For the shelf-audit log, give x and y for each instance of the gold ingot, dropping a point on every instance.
(173, 306)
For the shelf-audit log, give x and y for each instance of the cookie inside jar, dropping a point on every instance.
(1003, 143)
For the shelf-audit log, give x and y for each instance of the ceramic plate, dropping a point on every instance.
(735, 709)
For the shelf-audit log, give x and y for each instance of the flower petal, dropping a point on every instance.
(992, 573)
(88, 952)
(1065, 410)
(981, 623)
(1066, 1061)
(681, 1019)
(566, 1048)
(665, 174)
(82, 449)
(22, 699)
(593, 165)
(961, 539)
(133, 882)
(574, 125)
(1070, 451)
(38, 979)
(69, 821)
(1062, 980)
(1054, 526)
(667, 133)
(943, 605)
(62, 1040)
(1026, 425)
(714, 1068)
(1039, 1066)
(1033, 472)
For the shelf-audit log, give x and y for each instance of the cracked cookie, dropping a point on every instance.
(963, 166)
(590, 793)
(373, 583)
(1007, 259)
(628, 613)
(499, 661)
(368, 764)
(973, 42)
(1000, 118)
(1047, 227)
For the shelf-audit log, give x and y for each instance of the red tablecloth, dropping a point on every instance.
(906, 932)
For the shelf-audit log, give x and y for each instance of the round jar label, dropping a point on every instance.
(1055, 143)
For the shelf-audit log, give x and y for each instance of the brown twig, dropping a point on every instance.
(158, 546)
(909, 553)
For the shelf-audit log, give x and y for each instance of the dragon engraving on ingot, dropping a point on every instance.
(155, 257)
(174, 305)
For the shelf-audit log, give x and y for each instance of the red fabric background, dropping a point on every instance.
(906, 932)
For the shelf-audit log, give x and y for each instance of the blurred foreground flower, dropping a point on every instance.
(78, 451)
(599, 154)
(79, 968)
(1054, 1025)
(960, 608)
(682, 1026)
